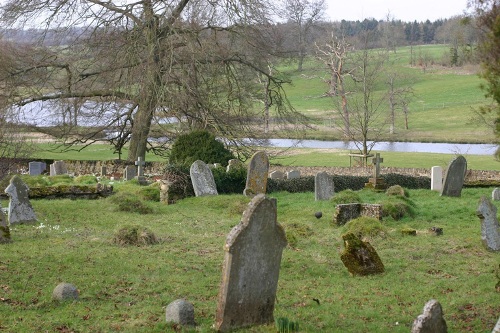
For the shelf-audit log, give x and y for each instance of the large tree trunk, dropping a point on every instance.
(140, 133)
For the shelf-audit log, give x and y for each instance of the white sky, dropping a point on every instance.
(405, 10)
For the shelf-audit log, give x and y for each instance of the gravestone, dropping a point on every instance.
(180, 312)
(58, 168)
(258, 170)
(436, 178)
(104, 171)
(276, 174)
(293, 174)
(36, 168)
(454, 177)
(251, 267)
(490, 227)
(376, 182)
(140, 171)
(233, 164)
(495, 195)
(4, 228)
(323, 186)
(496, 329)
(20, 209)
(360, 258)
(129, 172)
(202, 179)
(65, 292)
(431, 320)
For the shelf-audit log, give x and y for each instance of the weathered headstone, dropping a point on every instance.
(58, 168)
(129, 172)
(36, 168)
(276, 174)
(436, 178)
(65, 292)
(490, 227)
(251, 267)
(495, 195)
(180, 312)
(360, 258)
(202, 179)
(293, 174)
(376, 182)
(431, 320)
(496, 329)
(20, 209)
(454, 177)
(323, 186)
(258, 170)
(4, 228)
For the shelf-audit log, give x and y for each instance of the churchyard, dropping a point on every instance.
(128, 288)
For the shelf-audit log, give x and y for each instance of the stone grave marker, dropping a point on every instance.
(431, 320)
(36, 168)
(454, 177)
(323, 186)
(276, 174)
(490, 227)
(180, 312)
(496, 329)
(129, 172)
(293, 174)
(436, 178)
(376, 182)
(20, 209)
(495, 195)
(258, 170)
(360, 258)
(58, 168)
(202, 179)
(4, 228)
(251, 266)
(104, 171)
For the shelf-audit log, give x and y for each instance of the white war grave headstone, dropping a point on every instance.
(202, 179)
(251, 267)
(258, 170)
(454, 177)
(436, 178)
(490, 228)
(20, 209)
(323, 186)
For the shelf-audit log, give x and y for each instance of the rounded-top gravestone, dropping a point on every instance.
(65, 292)
(180, 312)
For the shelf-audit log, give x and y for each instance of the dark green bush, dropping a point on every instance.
(346, 197)
(199, 145)
(233, 181)
(407, 181)
(296, 185)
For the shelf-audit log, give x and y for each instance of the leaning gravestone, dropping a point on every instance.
(36, 168)
(495, 195)
(202, 179)
(180, 312)
(436, 178)
(58, 168)
(490, 228)
(454, 178)
(431, 320)
(4, 228)
(20, 209)
(257, 175)
(251, 267)
(323, 186)
(360, 258)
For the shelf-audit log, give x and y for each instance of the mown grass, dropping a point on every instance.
(126, 288)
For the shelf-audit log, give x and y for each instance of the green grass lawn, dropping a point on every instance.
(126, 289)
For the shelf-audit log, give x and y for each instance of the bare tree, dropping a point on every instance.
(127, 69)
(399, 95)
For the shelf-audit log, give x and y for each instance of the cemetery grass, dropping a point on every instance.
(126, 288)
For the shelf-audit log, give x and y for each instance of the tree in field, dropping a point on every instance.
(399, 94)
(303, 15)
(125, 70)
(487, 13)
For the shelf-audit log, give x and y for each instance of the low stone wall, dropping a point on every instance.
(346, 212)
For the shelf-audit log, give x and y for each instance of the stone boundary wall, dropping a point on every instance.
(346, 212)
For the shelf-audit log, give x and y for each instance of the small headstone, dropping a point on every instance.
(65, 292)
(36, 168)
(323, 186)
(58, 168)
(431, 320)
(180, 312)
(251, 267)
(276, 174)
(293, 174)
(258, 170)
(360, 258)
(20, 209)
(455, 177)
(436, 178)
(234, 164)
(4, 228)
(129, 172)
(490, 227)
(495, 195)
(104, 171)
(202, 179)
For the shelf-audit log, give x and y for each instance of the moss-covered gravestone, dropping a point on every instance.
(20, 209)
(360, 258)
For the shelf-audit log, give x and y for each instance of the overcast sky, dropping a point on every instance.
(405, 10)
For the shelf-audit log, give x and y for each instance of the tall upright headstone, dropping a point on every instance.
(20, 209)
(454, 177)
(436, 178)
(490, 227)
(431, 320)
(251, 268)
(202, 179)
(258, 170)
(323, 186)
